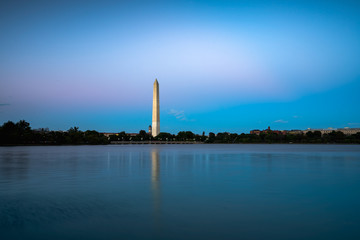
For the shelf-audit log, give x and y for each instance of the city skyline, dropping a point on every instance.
(225, 66)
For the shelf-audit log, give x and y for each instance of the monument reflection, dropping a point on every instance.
(155, 185)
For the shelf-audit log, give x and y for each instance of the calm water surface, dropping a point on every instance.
(180, 192)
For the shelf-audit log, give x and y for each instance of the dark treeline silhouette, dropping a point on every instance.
(163, 136)
(271, 137)
(268, 137)
(20, 133)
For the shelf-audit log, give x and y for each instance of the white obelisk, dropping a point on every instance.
(156, 110)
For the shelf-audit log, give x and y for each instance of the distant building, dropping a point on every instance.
(256, 131)
(150, 130)
(132, 134)
(346, 131)
(42, 130)
(108, 134)
(294, 132)
(349, 131)
(268, 130)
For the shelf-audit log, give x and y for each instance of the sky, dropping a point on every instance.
(221, 65)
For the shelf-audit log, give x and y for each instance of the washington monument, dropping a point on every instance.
(156, 110)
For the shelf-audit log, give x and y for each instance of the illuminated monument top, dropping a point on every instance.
(156, 110)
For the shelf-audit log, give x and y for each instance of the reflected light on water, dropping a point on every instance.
(155, 186)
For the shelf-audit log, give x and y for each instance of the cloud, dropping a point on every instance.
(281, 121)
(296, 116)
(352, 124)
(179, 114)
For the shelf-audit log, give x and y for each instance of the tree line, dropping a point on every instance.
(20, 133)
(272, 137)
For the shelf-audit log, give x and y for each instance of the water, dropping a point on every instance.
(180, 192)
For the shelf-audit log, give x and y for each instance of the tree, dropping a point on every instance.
(93, 137)
(75, 136)
(211, 138)
(19, 133)
(164, 136)
(8, 134)
(143, 136)
(222, 137)
(185, 136)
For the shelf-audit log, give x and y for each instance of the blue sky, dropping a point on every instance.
(221, 65)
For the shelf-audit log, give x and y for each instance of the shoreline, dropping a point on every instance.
(170, 143)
